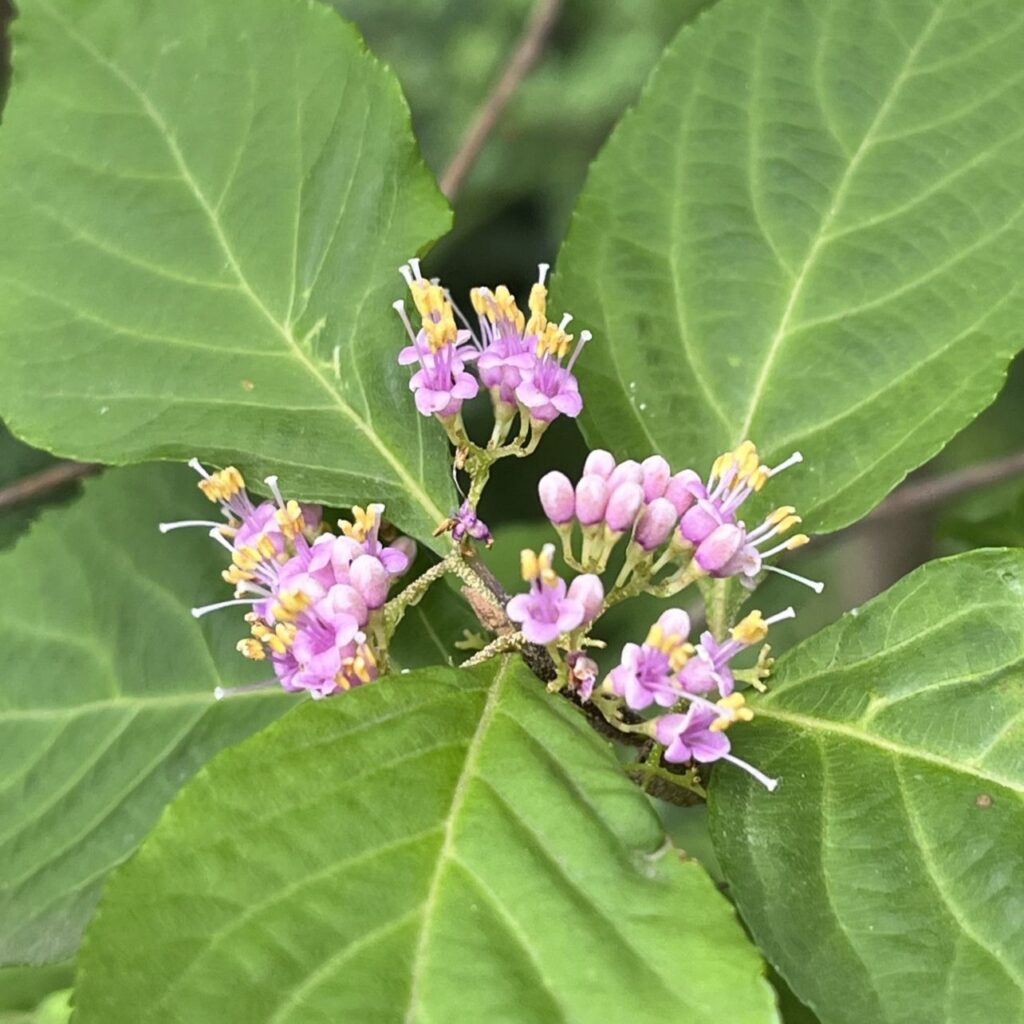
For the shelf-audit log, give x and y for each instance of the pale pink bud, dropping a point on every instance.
(623, 506)
(719, 547)
(626, 472)
(655, 523)
(599, 463)
(556, 497)
(588, 590)
(591, 499)
(675, 622)
(684, 489)
(368, 575)
(656, 472)
(407, 546)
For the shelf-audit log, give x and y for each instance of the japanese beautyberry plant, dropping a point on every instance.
(451, 693)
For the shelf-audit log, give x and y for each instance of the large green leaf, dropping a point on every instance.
(106, 695)
(204, 205)
(808, 232)
(884, 876)
(444, 846)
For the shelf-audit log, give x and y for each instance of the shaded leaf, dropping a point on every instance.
(205, 205)
(443, 846)
(883, 877)
(106, 697)
(808, 233)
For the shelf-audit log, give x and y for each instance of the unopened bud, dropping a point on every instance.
(654, 525)
(599, 463)
(656, 472)
(623, 506)
(557, 498)
(591, 499)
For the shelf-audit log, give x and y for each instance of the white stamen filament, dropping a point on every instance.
(566, 320)
(815, 585)
(182, 523)
(767, 781)
(791, 461)
(219, 538)
(197, 466)
(585, 336)
(415, 264)
(247, 587)
(786, 613)
(271, 482)
(399, 308)
(542, 272)
(756, 537)
(407, 274)
(198, 613)
(234, 691)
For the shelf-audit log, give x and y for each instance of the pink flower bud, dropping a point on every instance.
(675, 622)
(699, 522)
(406, 546)
(626, 472)
(591, 499)
(654, 526)
(368, 575)
(623, 506)
(340, 601)
(588, 590)
(556, 497)
(719, 547)
(656, 472)
(599, 463)
(684, 489)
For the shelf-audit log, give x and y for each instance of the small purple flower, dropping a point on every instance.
(709, 670)
(589, 591)
(441, 384)
(699, 736)
(546, 611)
(647, 673)
(550, 390)
(364, 530)
(466, 523)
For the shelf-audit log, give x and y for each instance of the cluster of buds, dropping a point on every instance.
(314, 597)
(669, 671)
(670, 518)
(524, 362)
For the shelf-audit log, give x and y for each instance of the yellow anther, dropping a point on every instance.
(266, 547)
(798, 541)
(290, 520)
(364, 521)
(782, 512)
(285, 632)
(679, 656)
(276, 644)
(750, 630)
(251, 649)
(222, 485)
(234, 576)
(246, 558)
(554, 341)
(529, 564)
(479, 301)
(719, 725)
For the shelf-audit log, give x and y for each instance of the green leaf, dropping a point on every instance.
(808, 233)
(882, 878)
(22, 988)
(106, 699)
(443, 846)
(204, 209)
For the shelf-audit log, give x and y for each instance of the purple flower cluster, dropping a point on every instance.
(520, 360)
(550, 608)
(312, 595)
(667, 670)
(657, 507)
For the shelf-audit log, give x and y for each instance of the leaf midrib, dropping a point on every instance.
(284, 331)
(894, 748)
(821, 236)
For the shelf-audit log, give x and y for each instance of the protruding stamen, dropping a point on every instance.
(399, 308)
(542, 272)
(198, 613)
(797, 541)
(235, 691)
(791, 461)
(198, 467)
(219, 538)
(271, 482)
(769, 783)
(786, 613)
(182, 523)
(407, 274)
(414, 263)
(585, 336)
(566, 320)
(815, 585)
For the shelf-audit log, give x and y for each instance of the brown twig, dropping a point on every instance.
(48, 479)
(924, 494)
(522, 61)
